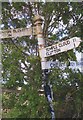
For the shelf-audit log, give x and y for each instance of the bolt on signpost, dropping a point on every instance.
(41, 44)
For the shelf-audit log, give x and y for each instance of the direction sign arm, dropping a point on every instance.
(19, 32)
(60, 47)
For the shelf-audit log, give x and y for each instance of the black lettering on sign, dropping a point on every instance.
(52, 50)
(17, 30)
(49, 51)
(14, 31)
(64, 43)
(68, 42)
(2, 32)
(54, 47)
(9, 33)
(60, 45)
(57, 50)
(74, 39)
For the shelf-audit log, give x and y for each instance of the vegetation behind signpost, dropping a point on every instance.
(21, 62)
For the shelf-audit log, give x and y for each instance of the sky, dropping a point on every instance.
(79, 55)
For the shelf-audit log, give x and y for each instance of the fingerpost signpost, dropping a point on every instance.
(44, 52)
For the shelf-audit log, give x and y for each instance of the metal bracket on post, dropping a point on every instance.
(41, 44)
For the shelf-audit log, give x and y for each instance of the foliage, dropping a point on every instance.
(21, 62)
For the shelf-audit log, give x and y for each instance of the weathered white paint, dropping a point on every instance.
(43, 64)
(19, 32)
(41, 42)
(60, 47)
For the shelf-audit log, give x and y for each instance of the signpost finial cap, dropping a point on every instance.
(38, 19)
